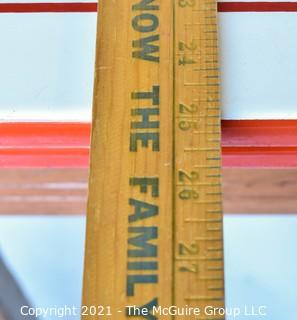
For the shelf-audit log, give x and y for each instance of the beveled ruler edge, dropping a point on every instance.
(208, 107)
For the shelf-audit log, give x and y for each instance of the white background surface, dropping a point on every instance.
(47, 61)
(259, 68)
(46, 255)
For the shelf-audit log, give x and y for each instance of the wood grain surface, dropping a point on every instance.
(129, 229)
(154, 236)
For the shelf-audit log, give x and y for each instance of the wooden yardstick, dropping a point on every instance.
(154, 223)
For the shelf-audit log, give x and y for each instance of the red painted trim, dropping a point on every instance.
(245, 143)
(48, 7)
(257, 6)
(69, 7)
(44, 144)
(260, 133)
(259, 143)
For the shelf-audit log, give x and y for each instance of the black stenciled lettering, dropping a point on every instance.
(133, 280)
(144, 182)
(145, 5)
(142, 210)
(143, 311)
(147, 48)
(145, 137)
(153, 95)
(145, 22)
(145, 122)
(141, 241)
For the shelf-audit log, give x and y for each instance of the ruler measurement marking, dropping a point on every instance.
(206, 10)
(211, 268)
(214, 211)
(206, 69)
(206, 167)
(211, 124)
(208, 239)
(196, 82)
(208, 101)
(199, 259)
(203, 220)
(215, 250)
(198, 53)
(211, 278)
(206, 202)
(213, 140)
(198, 117)
(206, 298)
(214, 193)
(207, 132)
(217, 229)
(212, 77)
(214, 175)
(215, 288)
(213, 92)
(214, 158)
(198, 185)
(194, 54)
(203, 149)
